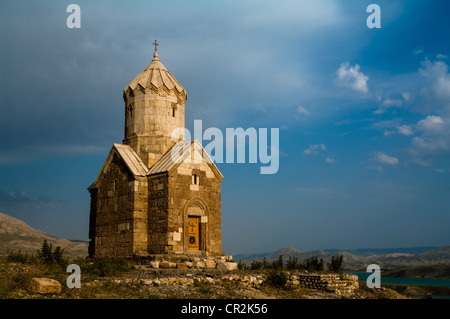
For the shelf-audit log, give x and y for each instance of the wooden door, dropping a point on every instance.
(193, 233)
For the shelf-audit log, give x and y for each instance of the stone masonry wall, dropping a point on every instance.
(139, 193)
(339, 283)
(158, 205)
(149, 122)
(112, 228)
(202, 199)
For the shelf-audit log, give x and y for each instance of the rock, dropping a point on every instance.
(181, 281)
(199, 264)
(210, 264)
(154, 264)
(146, 282)
(189, 281)
(156, 282)
(164, 281)
(227, 266)
(167, 264)
(182, 266)
(44, 286)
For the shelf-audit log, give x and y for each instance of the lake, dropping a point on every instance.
(408, 281)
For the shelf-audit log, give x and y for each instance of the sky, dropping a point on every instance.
(363, 113)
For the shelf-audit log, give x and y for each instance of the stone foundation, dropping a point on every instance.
(342, 284)
(167, 261)
(333, 282)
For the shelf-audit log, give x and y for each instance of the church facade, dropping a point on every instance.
(156, 193)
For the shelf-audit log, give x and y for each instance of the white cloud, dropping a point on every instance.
(350, 77)
(330, 160)
(405, 130)
(437, 73)
(406, 96)
(418, 51)
(379, 111)
(386, 159)
(392, 103)
(302, 110)
(434, 140)
(431, 124)
(314, 149)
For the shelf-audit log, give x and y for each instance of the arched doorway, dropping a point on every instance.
(196, 226)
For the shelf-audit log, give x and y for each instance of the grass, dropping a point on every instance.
(110, 278)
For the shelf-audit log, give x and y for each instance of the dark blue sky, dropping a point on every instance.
(364, 114)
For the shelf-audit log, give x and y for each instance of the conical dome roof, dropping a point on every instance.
(156, 77)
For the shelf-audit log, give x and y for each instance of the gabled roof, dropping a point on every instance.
(178, 154)
(130, 158)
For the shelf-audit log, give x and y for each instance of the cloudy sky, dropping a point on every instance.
(364, 114)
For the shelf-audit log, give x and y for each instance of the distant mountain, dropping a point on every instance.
(16, 235)
(382, 251)
(359, 259)
(428, 271)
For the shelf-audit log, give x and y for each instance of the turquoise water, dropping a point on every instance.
(408, 281)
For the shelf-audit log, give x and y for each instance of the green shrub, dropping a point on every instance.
(336, 263)
(277, 278)
(242, 266)
(265, 264)
(49, 257)
(292, 263)
(18, 257)
(106, 267)
(256, 265)
(278, 264)
(313, 264)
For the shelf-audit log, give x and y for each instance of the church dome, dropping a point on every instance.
(157, 79)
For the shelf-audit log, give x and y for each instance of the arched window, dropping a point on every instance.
(130, 110)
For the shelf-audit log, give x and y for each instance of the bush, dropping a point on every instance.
(277, 278)
(336, 263)
(278, 264)
(256, 265)
(49, 257)
(292, 263)
(18, 257)
(242, 266)
(313, 264)
(106, 267)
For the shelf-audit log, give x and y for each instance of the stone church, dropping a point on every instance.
(148, 199)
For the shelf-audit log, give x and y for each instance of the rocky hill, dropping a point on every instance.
(441, 271)
(16, 235)
(359, 259)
